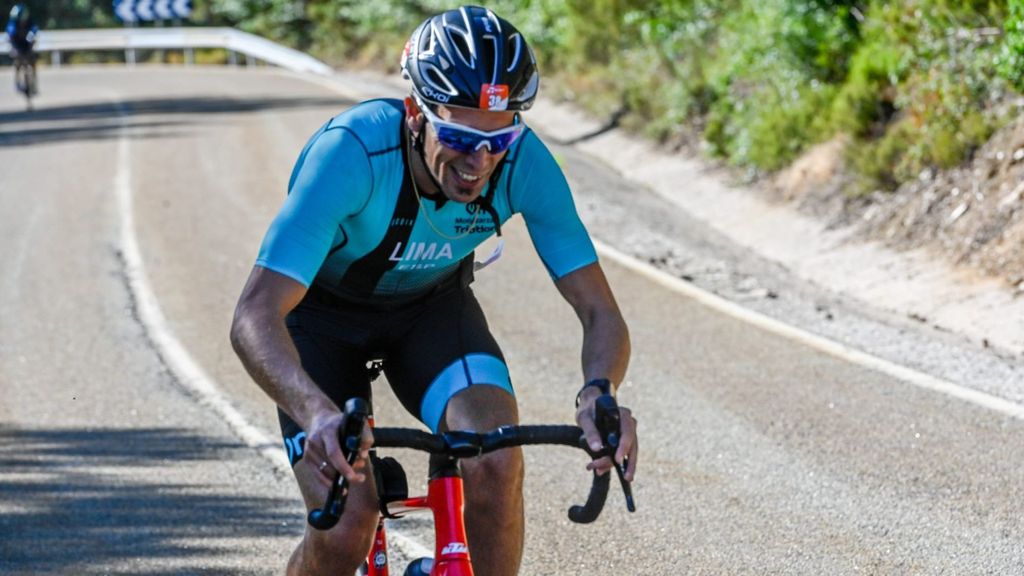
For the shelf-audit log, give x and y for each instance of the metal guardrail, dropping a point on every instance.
(130, 39)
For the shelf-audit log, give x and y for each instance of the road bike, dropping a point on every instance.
(25, 77)
(444, 488)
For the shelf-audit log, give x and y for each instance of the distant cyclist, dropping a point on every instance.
(372, 255)
(22, 32)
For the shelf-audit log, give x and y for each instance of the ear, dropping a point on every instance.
(413, 116)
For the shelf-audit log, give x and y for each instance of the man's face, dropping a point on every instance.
(463, 176)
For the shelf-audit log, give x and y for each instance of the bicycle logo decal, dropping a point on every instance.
(455, 548)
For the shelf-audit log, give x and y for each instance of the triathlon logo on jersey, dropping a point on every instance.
(472, 224)
(494, 97)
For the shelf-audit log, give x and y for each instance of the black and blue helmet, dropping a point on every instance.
(472, 58)
(19, 13)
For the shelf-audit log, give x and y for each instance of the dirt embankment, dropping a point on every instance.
(971, 216)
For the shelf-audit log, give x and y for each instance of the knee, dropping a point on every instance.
(342, 548)
(494, 481)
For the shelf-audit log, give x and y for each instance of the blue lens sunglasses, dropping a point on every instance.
(466, 140)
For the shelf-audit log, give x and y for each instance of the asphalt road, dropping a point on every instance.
(759, 455)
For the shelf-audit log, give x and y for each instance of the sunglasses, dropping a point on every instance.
(466, 140)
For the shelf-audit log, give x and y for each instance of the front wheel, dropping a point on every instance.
(420, 567)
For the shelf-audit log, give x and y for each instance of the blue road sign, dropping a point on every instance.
(136, 10)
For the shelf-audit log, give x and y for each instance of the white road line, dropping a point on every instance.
(821, 343)
(186, 370)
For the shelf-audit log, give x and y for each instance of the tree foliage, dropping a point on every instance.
(914, 84)
(65, 14)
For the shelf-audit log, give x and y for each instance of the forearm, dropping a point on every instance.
(606, 347)
(262, 342)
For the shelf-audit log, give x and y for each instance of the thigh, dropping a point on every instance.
(336, 364)
(447, 349)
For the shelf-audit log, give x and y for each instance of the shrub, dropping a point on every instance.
(1011, 58)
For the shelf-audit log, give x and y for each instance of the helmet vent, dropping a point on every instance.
(515, 48)
(462, 47)
(437, 80)
(489, 49)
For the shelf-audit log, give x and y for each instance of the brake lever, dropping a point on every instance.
(609, 424)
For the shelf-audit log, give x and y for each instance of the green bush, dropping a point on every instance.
(1011, 58)
(913, 83)
(879, 164)
(864, 103)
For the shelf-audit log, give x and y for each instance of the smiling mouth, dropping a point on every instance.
(466, 177)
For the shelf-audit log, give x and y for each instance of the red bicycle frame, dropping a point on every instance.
(444, 490)
(451, 551)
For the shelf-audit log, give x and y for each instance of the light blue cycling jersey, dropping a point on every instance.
(351, 223)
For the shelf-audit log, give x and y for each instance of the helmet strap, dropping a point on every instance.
(418, 145)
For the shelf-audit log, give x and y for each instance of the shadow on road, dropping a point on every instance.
(80, 501)
(103, 120)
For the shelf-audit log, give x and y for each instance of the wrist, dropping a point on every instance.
(592, 389)
(314, 409)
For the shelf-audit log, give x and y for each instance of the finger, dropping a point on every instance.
(627, 434)
(590, 433)
(315, 460)
(366, 442)
(629, 448)
(631, 471)
(332, 447)
(601, 465)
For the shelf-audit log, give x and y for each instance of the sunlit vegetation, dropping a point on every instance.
(913, 85)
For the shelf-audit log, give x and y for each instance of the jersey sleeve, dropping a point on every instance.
(540, 192)
(332, 180)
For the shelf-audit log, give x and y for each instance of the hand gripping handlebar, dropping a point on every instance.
(350, 431)
(464, 444)
(609, 423)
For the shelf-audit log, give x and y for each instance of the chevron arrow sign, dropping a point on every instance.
(136, 10)
(162, 9)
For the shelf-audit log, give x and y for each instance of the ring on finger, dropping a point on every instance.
(322, 466)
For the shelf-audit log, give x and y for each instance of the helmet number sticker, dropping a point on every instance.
(494, 97)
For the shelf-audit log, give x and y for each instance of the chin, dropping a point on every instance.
(463, 195)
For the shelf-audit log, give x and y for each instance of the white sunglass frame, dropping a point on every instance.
(434, 119)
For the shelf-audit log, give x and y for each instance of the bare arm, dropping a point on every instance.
(260, 338)
(605, 336)
(605, 352)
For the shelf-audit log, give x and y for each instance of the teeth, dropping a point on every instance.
(467, 177)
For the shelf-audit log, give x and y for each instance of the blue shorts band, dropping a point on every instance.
(471, 370)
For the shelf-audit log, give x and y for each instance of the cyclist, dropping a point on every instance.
(22, 32)
(372, 255)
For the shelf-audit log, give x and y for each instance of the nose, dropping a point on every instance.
(478, 158)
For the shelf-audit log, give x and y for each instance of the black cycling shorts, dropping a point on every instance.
(432, 350)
